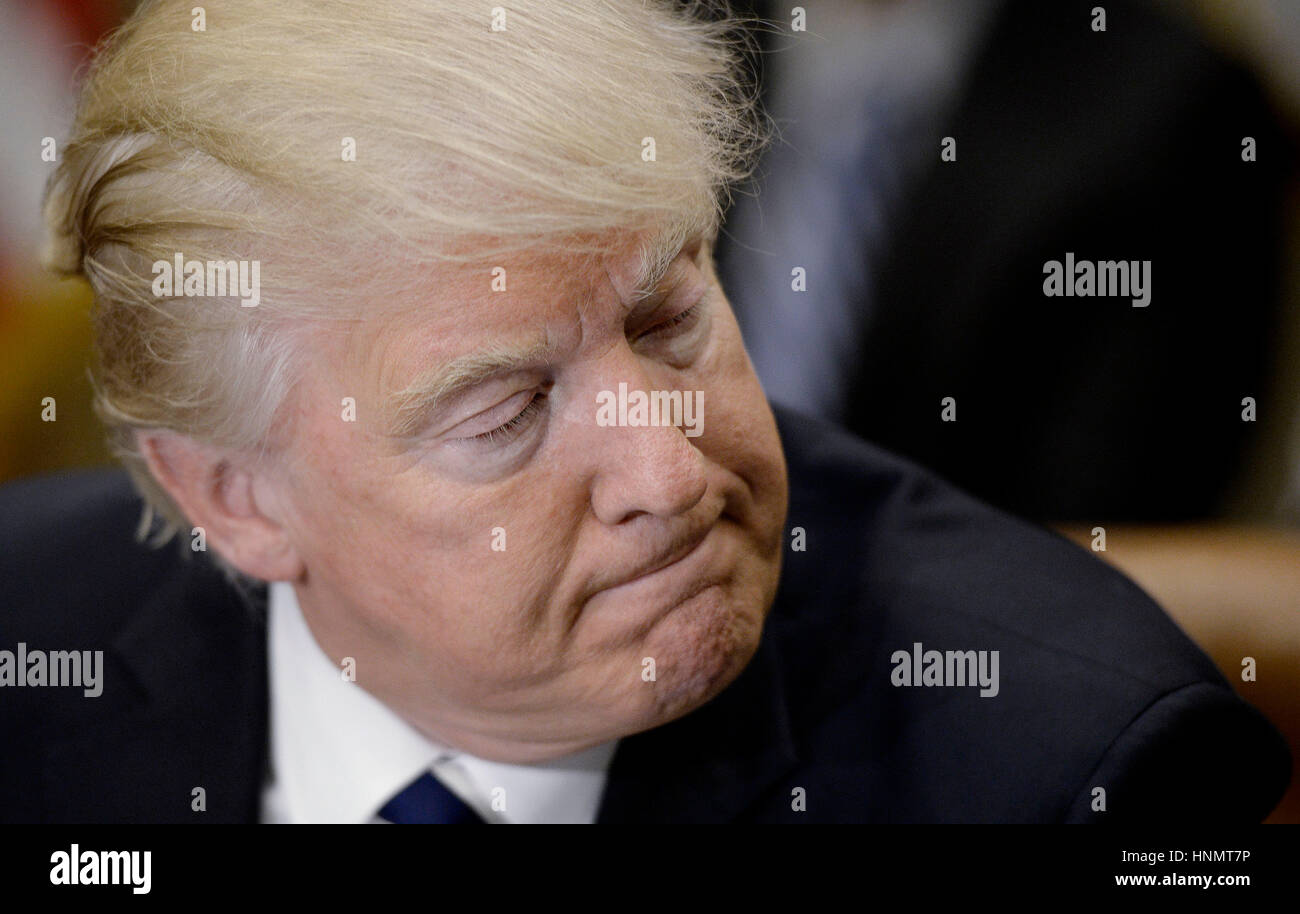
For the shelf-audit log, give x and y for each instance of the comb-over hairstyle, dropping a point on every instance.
(480, 132)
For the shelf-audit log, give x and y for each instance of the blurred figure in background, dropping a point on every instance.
(924, 272)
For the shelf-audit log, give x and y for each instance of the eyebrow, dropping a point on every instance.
(657, 256)
(410, 407)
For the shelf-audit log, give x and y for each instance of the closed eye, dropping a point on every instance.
(679, 323)
(508, 431)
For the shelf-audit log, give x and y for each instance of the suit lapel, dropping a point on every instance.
(190, 712)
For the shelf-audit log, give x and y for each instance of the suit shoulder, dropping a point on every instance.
(923, 558)
(1197, 754)
(929, 637)
(70, 561)
(35, 505)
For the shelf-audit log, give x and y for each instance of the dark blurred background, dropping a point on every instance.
(924, 277)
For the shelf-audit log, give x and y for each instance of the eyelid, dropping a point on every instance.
(512, 427)
(685, 318)
(450, 432)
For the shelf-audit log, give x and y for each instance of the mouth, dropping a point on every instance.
(671, 557)
(637, 602)
(695, 576)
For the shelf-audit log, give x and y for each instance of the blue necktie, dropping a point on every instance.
(427, 802)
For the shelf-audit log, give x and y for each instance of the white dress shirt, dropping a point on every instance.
(338, 754)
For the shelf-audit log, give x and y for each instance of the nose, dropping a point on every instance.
(643, 469)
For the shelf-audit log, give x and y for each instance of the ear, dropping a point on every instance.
(232, 500)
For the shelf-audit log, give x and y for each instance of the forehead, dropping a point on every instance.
(528, 303)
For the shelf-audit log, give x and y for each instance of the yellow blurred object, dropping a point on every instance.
(45, 346)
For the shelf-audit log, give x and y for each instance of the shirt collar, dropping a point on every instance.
(338, 753)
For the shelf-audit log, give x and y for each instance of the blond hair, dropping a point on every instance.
(478, 131)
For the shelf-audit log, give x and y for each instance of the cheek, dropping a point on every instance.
(462, 573)
(740, 429)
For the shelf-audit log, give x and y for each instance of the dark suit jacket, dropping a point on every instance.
(1098, 688)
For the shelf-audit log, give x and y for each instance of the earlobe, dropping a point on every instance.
(217, 491)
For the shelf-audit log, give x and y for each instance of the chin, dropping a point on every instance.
(699, 649)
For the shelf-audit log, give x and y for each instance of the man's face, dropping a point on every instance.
(513, 577)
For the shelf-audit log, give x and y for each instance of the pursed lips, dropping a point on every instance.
(634, 603)
(672, 557)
